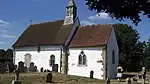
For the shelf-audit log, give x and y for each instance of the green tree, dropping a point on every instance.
(146, 58)
(9, 55)
(130, 49)
(121, 9)
(2, 55)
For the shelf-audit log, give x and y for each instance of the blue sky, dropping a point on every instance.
(16, 14)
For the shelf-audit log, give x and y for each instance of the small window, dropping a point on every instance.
(52, 60)
(113, 57)
(82, 59)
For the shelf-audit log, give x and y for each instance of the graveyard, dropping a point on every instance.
(57, 78)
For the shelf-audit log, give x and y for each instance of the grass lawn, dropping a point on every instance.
(40, 78)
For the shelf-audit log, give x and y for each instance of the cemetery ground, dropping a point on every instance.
(40, 78)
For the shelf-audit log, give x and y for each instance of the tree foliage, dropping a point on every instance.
(9, 55)
(146, 58)
(121, 9)
(130, 48)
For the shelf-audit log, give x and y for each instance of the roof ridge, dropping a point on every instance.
(47, 22)
(96, 25)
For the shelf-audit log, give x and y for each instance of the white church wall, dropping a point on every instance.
(92, 56)
(112, 45)
(41, 59)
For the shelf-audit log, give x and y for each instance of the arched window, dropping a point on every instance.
(82, 59)
(113, 57)
(52, 60)
(27, 60)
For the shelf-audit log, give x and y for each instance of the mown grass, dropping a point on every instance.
(40, 78)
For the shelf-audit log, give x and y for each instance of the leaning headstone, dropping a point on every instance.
(107, 81)
(16, 81)
(49, 78)
(21, 66)
(41, 70)
(128, 81)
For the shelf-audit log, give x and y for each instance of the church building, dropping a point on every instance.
(67, 47)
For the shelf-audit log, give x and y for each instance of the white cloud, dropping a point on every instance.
(1, 42)
(85, 22)
(100, 16)
(3, 22)
(3, 30)
(8, 36)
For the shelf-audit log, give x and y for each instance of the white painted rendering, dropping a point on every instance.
(92, 56)
(41, 59)
(112, 44)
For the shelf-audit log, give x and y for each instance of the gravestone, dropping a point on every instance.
(49, 78)
(143, 72)
(45, 70)
(31, 67)
(11, 67)
(41, 70)
(21, 66)
(107, 81)
(128, 81)
(1, 68)
(91, 74)
(15, 67)
(35, 69)
(48, 70)
(25, 69)
(55, 67)
(16, 81)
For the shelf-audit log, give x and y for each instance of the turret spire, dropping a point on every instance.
(71, 10)
(71, 4)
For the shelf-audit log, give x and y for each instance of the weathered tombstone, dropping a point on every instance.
(16, 81)
(31, 67)
(2, 68)
(107, 81)
(41, 70)
(15, 67)
(21, 66)
(48, 70)
(55, 67)
(91, 74)
(25, 69)
(128, 81)
(45, 70)
(11, 67)
(35, 69)
(143, 81)
(49, 78)
(143, 72)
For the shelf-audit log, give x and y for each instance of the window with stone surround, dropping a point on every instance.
(82, 61)
(113, 57)
(52, 60)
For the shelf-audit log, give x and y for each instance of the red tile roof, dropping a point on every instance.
(48, 33)
(94, 35)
